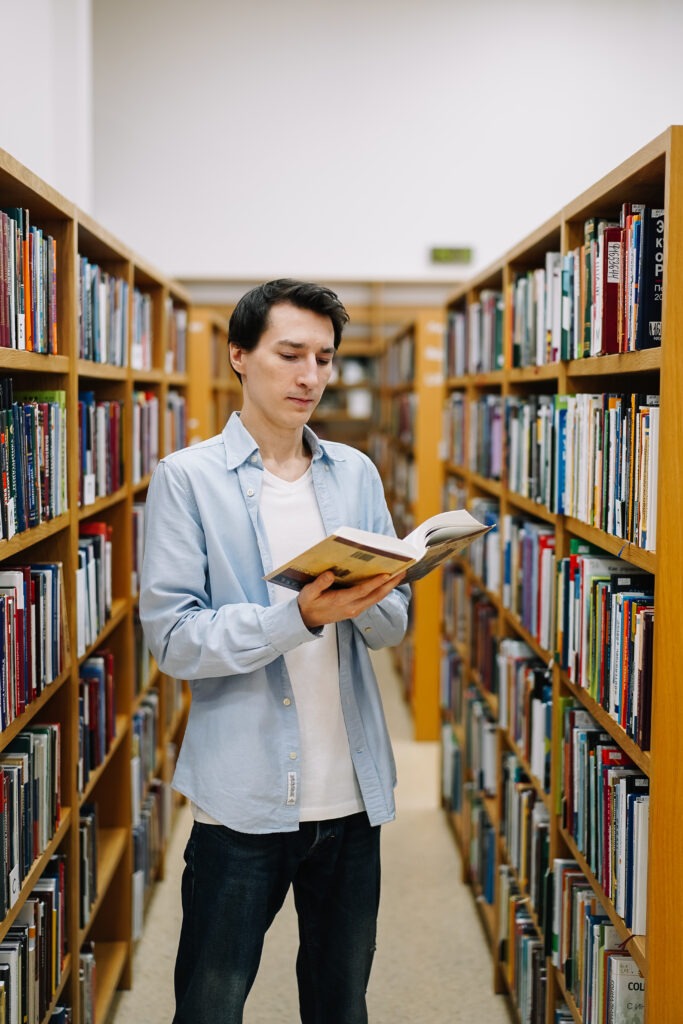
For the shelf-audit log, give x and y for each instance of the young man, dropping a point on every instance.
(286, 757)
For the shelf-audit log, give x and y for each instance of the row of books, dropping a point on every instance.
(485, 435)
(483, 554)
(525, 827)
(452, 682)
(529, 575)
(605, 468)
(404, 414)
(451, 770)
(101, 446)
(87, 983)
(399, 361)
(149, 836)
(28, 284)
(603, 978)
(176, 422)
(455, 606)
(605, 634)
(96, 713)
(142, 340)
(482, 847)
(32, 457)
(601, 297)
(93, 582)
(474, 338)
(175, 360)
(621, 288)
(30, 804)
(87, 847)
(145, 433)
(145, 739)
(33, 951)
(606, 810)
(529, 435)
(525, 705)
(590, 456)
(103, 315)
(521, 950)
(31, 634)
(481, 743)
(484, 628)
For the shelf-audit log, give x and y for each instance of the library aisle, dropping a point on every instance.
(432, 965)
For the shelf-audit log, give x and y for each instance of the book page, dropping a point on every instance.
(445, 526)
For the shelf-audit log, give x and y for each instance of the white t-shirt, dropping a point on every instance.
(326, 778)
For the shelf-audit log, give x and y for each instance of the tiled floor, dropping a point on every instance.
(432, 964)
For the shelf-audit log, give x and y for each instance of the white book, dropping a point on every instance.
(641, 815)
(625, 991)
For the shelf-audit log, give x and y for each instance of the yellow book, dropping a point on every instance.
(355, 555)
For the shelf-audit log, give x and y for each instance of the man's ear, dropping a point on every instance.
(236, 357)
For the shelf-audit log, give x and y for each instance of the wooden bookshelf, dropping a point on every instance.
(653, 175)
(165, 377)
(410, 464)
(213, 389)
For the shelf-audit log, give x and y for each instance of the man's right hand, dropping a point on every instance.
(319, 604)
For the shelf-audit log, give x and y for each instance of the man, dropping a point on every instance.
(286, 757)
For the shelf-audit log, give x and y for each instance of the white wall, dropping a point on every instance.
(332, 138)
(46, 106)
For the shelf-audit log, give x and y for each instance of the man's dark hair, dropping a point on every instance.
(250, 316)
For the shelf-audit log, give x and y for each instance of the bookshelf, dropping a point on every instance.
(408, 454)
(213, 389)
(488, 396)
(121, 369)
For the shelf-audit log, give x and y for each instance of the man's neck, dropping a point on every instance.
(283, 454)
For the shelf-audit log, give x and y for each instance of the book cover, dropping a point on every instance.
(354, 555)
(651, 281)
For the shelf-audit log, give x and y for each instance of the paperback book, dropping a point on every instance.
(355, 555)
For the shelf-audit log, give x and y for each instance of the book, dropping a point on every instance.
(355, 555)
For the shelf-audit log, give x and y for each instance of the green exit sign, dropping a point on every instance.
(460, 254)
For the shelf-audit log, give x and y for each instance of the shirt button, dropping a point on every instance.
(250, 492)
(286, 702)
(367, 629)
(292, 756)
(252, 459)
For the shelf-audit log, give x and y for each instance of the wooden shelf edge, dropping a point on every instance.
(639, 757)
(110, 960)
(111, 846)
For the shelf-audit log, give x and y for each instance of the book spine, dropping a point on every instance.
(650, 290)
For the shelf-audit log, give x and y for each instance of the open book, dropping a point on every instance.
(355, 555)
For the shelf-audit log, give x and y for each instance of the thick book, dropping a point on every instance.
(355, 555)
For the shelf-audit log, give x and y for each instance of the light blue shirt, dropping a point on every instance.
(208, 618)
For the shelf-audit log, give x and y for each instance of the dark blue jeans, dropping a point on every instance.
(233, 886)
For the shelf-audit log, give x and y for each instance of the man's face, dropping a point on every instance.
(284, 377)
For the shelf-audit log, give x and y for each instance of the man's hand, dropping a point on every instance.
(319, 604)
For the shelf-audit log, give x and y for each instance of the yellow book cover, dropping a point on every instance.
(355, 555)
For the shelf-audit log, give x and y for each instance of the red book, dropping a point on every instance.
(610, 252)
